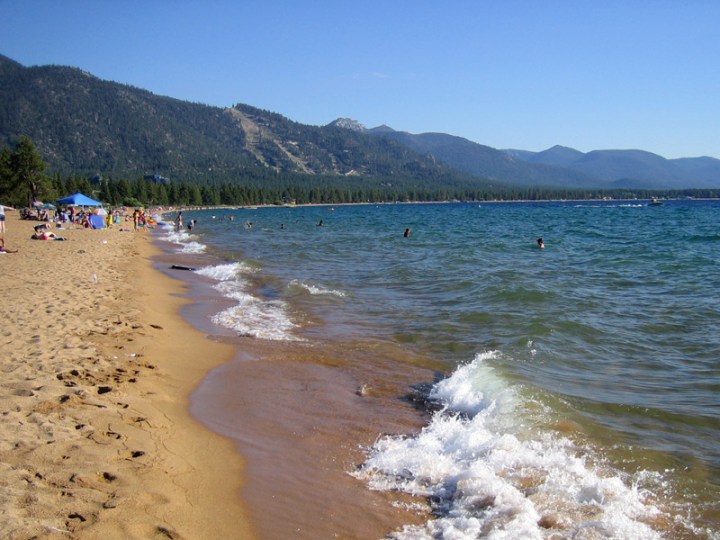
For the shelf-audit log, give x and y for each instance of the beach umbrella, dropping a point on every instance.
(47, 206)
(78, 199)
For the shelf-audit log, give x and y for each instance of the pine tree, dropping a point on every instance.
(23, 175)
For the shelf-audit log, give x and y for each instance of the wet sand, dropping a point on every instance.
(302, 423)
(302, 415)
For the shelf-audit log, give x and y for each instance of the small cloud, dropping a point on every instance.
(379, 75)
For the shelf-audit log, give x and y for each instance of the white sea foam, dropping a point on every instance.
(617, 205)
(255, 318)
(316, 289)
(193, 247)
(251, 316)
(489, 474)
(188, 243)
(224, 272)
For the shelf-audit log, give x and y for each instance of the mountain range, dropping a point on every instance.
(559, 165)
(84, 125)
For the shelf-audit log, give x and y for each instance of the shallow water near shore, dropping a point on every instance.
(571, 391)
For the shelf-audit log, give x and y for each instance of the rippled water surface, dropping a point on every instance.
(612, 329)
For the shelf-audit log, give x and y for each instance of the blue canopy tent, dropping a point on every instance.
(78, 199)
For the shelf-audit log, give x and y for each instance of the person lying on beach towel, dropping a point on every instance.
(42, 233)
(46, 236)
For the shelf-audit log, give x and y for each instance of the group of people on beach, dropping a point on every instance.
(69, 215)
(72, 215)
(139, 219)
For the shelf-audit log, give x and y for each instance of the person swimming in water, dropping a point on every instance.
(540, 243)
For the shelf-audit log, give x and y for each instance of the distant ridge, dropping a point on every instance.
(487, 162)
(633, 168)
(563, 166)
(559, 156)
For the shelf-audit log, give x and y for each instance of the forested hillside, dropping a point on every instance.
(83, 125)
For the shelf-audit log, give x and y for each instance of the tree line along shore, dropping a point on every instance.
(23, 180)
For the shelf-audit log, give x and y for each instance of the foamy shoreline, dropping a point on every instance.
(96, 437)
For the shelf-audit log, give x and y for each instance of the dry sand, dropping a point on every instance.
(97, 367)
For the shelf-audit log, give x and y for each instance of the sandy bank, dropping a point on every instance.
(97, 367)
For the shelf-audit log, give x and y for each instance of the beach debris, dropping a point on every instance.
(181, 267)
(110, 477)
(55, 529)
(166, 532)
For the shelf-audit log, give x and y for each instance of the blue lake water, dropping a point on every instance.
(581, 381)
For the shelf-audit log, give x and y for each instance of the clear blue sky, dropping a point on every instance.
(529, 74)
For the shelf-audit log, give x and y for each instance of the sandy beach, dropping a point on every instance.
(96, 440)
